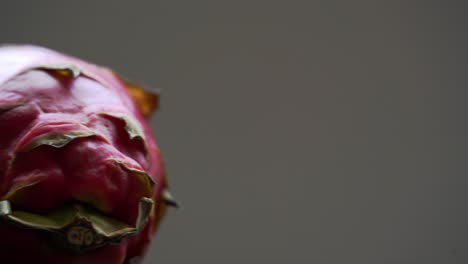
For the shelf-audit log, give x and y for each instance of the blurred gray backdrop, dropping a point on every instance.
(293, 131)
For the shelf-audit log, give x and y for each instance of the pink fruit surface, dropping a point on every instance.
(81, 177)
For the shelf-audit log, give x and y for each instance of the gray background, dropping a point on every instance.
(293, 131)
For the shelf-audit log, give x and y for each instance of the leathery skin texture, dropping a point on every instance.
(74, 133)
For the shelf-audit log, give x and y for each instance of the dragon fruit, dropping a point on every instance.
(81, 178)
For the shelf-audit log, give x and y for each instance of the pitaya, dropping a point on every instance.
(81, 178)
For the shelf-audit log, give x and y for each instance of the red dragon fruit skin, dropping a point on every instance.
(81, 178)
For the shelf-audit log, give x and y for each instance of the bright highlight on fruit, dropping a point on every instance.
(81, 177)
